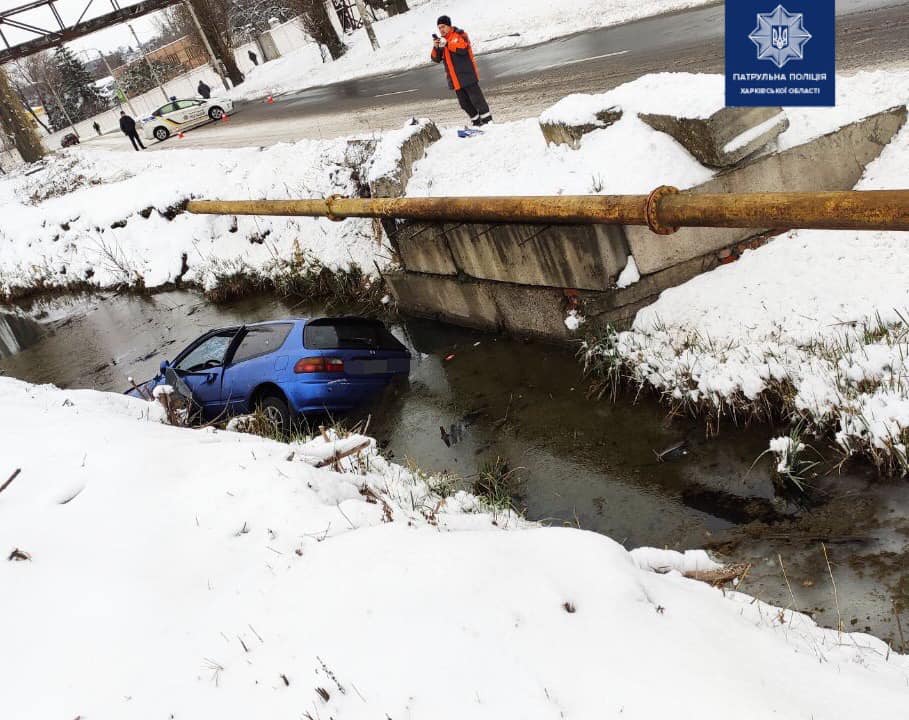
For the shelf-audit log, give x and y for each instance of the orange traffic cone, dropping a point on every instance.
(180, 135)
(224, 117)
(271, 100)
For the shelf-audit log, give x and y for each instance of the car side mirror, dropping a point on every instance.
(163, 367)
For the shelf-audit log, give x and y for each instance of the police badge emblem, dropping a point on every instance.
(780, 36)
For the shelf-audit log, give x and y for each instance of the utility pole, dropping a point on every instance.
(151, 68)
(61, 106)
(117, 85)
(215, 63)
(367, 23)
(110, 72)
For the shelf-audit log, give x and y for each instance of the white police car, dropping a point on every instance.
(179, 115)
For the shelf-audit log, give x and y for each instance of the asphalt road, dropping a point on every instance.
(522, 82)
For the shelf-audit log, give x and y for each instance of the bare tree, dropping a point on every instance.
(15, 123)
(249, 18)
(213, 18)
(172, 23)
(33, 75)
(318, 24)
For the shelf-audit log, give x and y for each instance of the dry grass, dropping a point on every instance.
(643, 362)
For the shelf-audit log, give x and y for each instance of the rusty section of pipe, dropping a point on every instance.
(847, 210)
(664, 210)
(569, 209)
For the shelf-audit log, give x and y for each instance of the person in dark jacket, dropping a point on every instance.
(97, 127)
(204, 90)
(253, 57)
(453, 49)
(128, 126)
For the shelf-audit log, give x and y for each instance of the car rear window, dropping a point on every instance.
(349, 334)
(261, 340)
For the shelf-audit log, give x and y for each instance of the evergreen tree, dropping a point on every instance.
(77, 89)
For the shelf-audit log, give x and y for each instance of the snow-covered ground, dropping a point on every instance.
(163, 572)
(101, 217)
(406, 39)
(516, 160)
(816, 322)
(106, 218)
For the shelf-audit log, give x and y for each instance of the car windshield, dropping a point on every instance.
(208, 354)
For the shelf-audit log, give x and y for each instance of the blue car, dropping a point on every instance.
(288, 368)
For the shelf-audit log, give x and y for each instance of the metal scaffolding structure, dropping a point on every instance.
(61, 31)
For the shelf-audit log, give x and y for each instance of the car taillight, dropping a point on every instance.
(319, 365)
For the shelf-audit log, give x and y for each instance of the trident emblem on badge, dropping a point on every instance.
(780, 37)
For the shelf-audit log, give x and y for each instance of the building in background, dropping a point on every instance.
(178, 57)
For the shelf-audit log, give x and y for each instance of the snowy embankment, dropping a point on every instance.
(104, 218)
(164, 572)
(815, 323)
(405, 40)
(99, 218)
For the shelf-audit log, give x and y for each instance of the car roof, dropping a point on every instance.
(295, 320)
(298, 320)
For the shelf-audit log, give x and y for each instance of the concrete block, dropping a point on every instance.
(17, 332)
(391, 182)
(834, 161)
(649, 287)
(533, 312)
(422, 247)
(571, 135)
(726, 137)
(470, 304)
(565, 256)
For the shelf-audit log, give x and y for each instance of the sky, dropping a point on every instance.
(70, 10)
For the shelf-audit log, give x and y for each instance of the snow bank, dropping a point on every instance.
(107, 218)
(184, 573)
(113, 217)
(516, 161)
(858, 95)
(406, 41)
(386, 158)
(815, 319)
(700, 95)
(690, 95)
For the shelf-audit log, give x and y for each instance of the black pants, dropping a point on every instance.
(134, 138)
(473, 103)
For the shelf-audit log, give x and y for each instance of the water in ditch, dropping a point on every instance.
(598, 465)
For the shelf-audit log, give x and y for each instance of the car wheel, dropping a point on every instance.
(216, 113)
(161, 133)
(276, 411)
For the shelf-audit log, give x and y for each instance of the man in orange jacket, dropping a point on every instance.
(454, 50)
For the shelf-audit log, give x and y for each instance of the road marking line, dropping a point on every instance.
(575, 62)
(399, 92)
